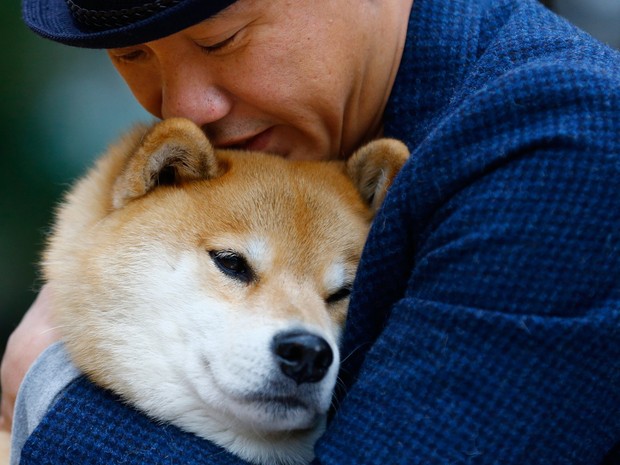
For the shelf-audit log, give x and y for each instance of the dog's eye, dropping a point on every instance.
(339, 295)
(232, 264)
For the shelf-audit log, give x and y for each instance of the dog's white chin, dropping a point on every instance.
(261, 432)
(295, 447)
(276, 424)
(269, 411)
(276, 416)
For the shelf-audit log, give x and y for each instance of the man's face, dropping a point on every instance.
(299, 78)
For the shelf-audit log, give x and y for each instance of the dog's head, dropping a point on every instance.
(213, 290)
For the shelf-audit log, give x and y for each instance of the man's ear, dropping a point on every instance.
(172, 152)
(373, 168)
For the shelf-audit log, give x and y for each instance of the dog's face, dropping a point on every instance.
(212, 293)
(217, 276)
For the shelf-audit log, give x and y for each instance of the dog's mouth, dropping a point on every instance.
(276, 413)
(276, 401)
(273, 407)
(274, 394)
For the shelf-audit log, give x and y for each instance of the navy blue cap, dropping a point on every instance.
(114, 23)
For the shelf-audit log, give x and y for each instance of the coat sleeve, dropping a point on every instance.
(490, 332)
(89, 426)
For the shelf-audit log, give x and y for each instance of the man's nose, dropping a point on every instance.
(195, 97)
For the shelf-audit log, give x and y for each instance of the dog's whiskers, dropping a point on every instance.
(353, 351)
(54, 328)
(341, 388)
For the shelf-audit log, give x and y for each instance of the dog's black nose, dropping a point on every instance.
(302, 356)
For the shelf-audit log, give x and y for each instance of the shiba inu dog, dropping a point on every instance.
(208, 288)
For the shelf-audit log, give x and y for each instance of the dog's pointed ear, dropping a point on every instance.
(373, 168)
(172, 152)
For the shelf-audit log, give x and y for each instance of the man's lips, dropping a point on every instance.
(257, 142)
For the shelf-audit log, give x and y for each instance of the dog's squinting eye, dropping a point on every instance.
(232, 264)
(339, 295)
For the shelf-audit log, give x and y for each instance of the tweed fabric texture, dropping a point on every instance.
(150, 443)
(485, 321)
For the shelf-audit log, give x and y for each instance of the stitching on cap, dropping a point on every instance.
(107, 19)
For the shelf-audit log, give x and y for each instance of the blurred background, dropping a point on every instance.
(60, 107)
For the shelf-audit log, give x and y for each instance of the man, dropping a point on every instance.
(484, 321)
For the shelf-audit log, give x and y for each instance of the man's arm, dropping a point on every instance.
(51, 373)
(496, 261)
(33, 335)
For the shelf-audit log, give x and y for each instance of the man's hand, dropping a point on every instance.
(33, 335)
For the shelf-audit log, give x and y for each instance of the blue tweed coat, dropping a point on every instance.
(485, 323)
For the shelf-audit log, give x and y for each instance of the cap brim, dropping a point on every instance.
(52, 19)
